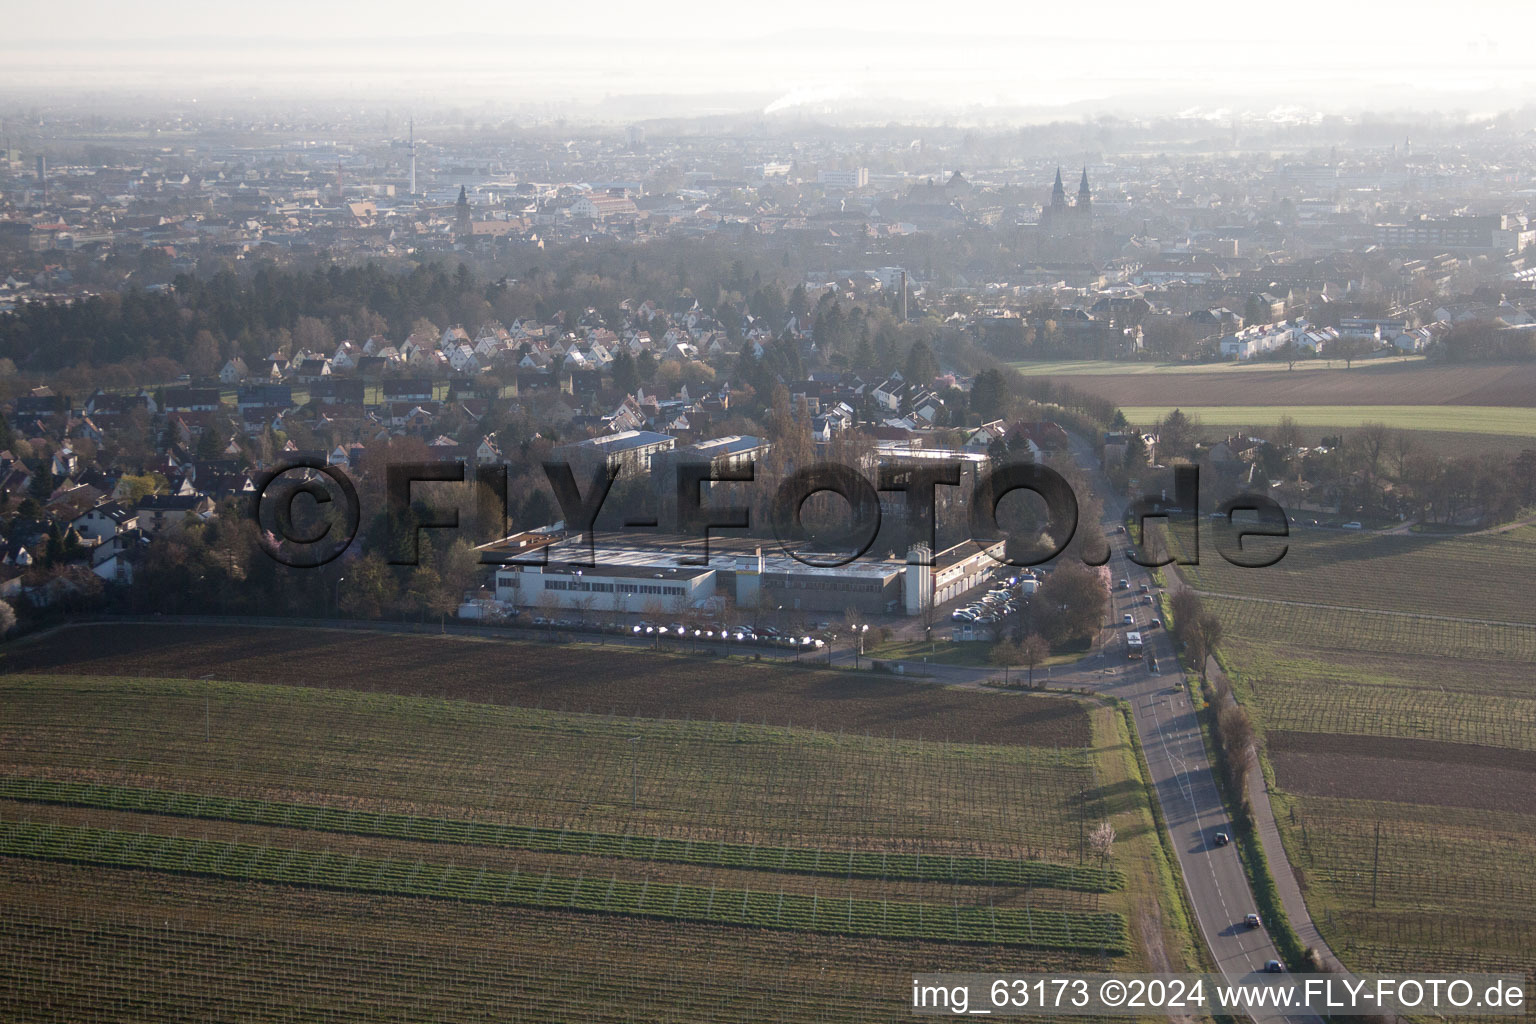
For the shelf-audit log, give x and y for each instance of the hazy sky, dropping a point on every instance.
(791, 52)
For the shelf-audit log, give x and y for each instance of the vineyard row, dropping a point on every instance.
(793, 860)
(1103, 933)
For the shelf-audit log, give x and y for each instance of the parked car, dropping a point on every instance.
(1145, 589)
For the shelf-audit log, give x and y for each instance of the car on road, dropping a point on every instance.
(1128, 619)
(1274, 967)
(1155, 624)
(1125, 584)
(1353, 526)
(1144, 589)
(1252, 921)
(1152, 667)
(1221, 839)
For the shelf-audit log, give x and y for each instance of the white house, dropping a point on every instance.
(103, 522)
(234, 371)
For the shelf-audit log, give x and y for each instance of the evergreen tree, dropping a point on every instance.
(989, 394)
(1135, 454)
(626, 375)
(209, 446)
(43, 482)
(921, 366)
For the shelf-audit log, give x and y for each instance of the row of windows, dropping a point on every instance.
(846, 586)
(587, 586)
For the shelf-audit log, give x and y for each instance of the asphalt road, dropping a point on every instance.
(1181, 773)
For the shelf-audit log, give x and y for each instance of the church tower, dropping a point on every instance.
(461, 212)
(1066, 228)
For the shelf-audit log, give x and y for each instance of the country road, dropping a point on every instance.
(1182, 776)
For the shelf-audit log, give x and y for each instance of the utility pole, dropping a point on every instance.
(1376, 863)
(1082, 826)
(634, 771)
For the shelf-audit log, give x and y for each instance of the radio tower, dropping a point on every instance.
(413, 155)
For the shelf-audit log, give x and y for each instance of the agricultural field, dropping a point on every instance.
(1382, 382)
(228, 849)
(558, 677)
(1511, 421)
(1391, 681)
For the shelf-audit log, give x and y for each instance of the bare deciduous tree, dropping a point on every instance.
(1102, 840)
(1033, 650)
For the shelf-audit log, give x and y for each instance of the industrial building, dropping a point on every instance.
(661, 576)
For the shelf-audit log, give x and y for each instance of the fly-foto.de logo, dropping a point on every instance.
(1247, 527)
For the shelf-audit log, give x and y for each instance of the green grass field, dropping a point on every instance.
(1390, 678)
(1506, 420)
(401, 855)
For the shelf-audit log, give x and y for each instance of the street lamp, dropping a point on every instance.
(338, 594)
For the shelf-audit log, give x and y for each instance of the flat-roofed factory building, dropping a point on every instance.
(660, 577)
